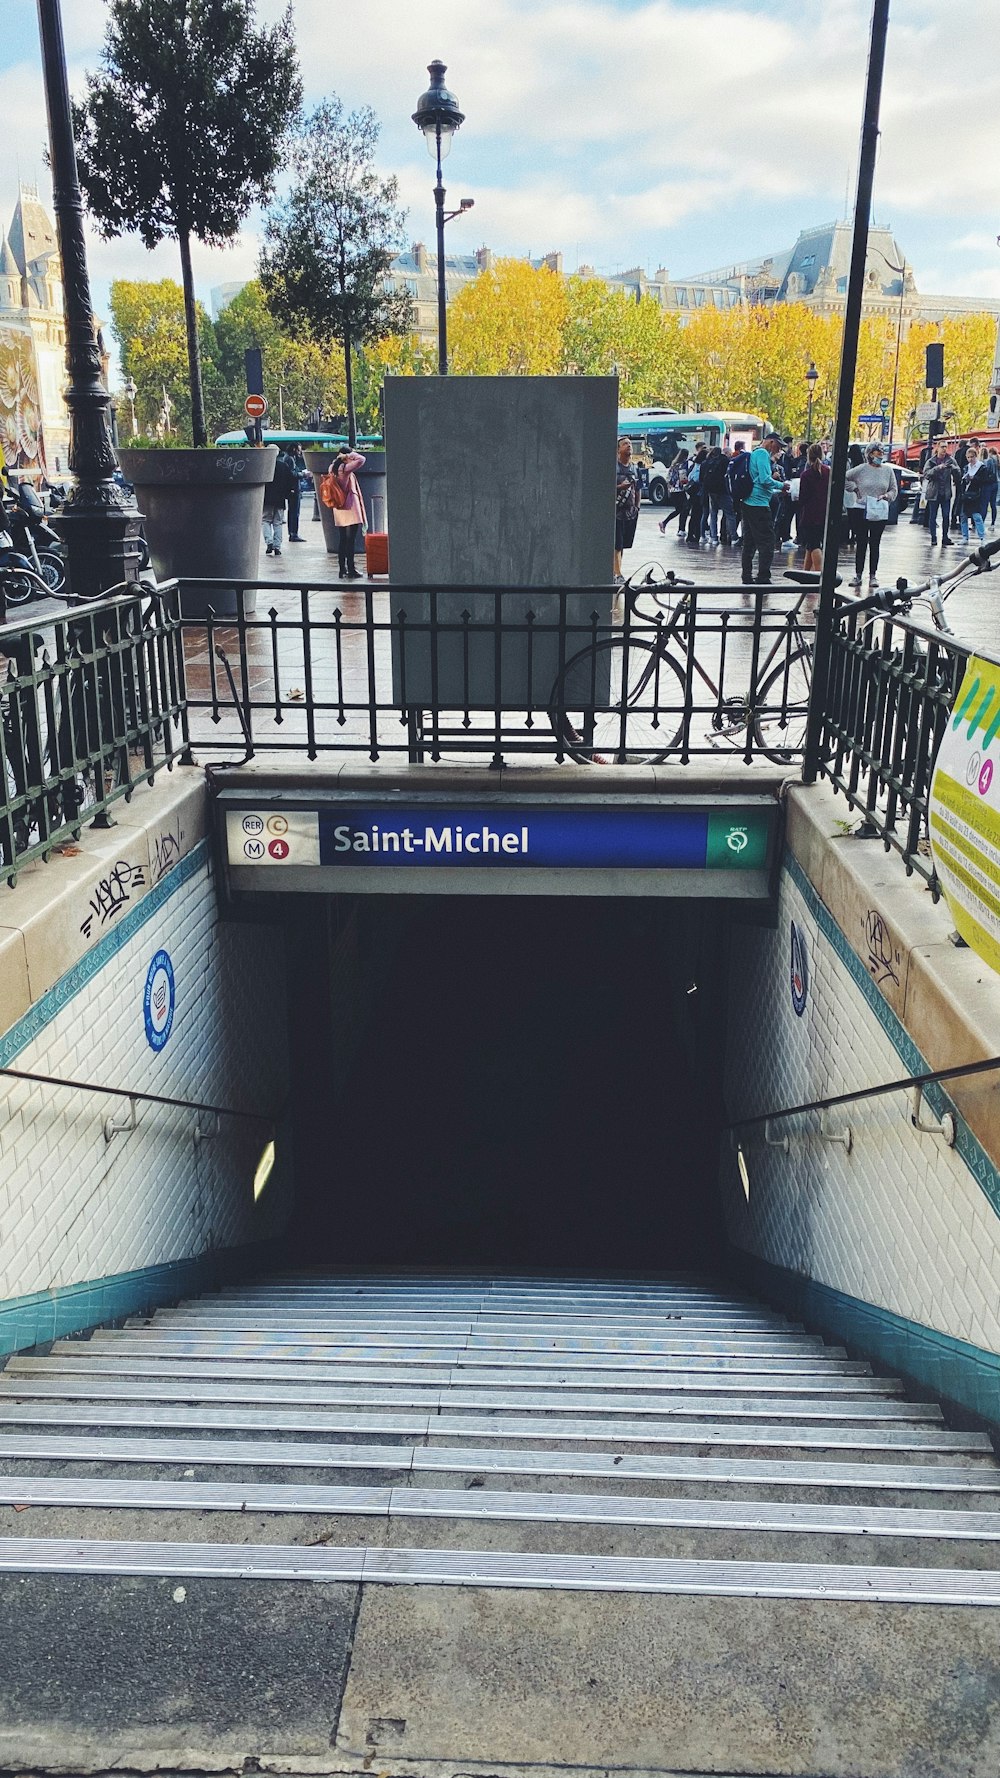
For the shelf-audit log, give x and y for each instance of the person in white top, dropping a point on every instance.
(874, 484)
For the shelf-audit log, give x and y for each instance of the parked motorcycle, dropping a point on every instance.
(24, 517)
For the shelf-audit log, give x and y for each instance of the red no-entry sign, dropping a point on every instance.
(255, 406)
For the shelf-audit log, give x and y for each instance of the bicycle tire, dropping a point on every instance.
(786, 691)
(647, 740)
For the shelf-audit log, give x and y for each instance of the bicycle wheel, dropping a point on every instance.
(619, 706)
(782, 709)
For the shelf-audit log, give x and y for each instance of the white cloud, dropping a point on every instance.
(621, 128)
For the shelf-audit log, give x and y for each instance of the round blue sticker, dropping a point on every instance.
(158, 1000)
(799, 971)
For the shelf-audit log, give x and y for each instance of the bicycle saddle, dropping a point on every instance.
(806, 577)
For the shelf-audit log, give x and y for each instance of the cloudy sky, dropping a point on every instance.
(679, 133)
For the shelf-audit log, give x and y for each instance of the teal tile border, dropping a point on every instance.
(63, 991)
(51, 1314)
(959, 1372)
(982, 1168)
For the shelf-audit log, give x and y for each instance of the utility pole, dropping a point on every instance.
(845, 391)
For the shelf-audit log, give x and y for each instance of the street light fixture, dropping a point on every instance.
(898, 271)
(812, 378)
(437, 117)
(130, 391)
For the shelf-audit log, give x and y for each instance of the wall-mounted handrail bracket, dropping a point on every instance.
(944, 1126)
(206, 1132)
(122, 1123)
(782, 1142)
(844, 1136)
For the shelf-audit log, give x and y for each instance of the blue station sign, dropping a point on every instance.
(396, 844)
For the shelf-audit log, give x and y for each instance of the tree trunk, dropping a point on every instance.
(199, 430)
(352, 424)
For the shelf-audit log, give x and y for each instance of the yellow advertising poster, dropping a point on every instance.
(964, 810)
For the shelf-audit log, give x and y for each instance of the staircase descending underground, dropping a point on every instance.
(651, 1526)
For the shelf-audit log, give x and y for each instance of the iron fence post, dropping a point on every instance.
(845, 390)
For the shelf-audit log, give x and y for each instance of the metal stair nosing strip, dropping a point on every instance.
(798, 1346)
(421, 1425)
(492, 1569)
(456, 1503)
(679, 1405)
(414, 1459)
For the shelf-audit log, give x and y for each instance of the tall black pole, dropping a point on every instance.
(100, 521)
(442, 293)
(845, 391)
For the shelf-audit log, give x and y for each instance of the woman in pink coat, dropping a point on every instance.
(349, 517)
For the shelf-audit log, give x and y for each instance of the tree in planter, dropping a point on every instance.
(182, 130)
(329, 246)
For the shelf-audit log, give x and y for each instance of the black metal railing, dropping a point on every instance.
(92, 702)
(471, 673)
(892, 684)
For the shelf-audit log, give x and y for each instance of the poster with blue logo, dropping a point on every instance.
(158, 1001)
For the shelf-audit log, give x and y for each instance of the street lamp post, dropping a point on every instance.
(437, 117)
(898, 271)
(812, 378)
(100, 521)
(130, 391)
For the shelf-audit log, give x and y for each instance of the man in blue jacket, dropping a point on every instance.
(758, 524)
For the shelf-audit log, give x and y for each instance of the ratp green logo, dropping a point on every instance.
(979, 708)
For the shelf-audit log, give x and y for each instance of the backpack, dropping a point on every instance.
(331, 492)
(741, 476)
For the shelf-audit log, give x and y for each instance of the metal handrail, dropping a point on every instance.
(89, 1086)
(889, 1086)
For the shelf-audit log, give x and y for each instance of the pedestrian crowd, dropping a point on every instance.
(777, 494)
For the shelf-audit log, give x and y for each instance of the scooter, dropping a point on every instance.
(34, 538)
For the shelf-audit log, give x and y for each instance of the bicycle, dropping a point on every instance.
(626, 698)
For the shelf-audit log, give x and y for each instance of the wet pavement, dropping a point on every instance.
(303, 696)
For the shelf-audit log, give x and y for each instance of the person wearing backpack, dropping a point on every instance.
(758, 524)
(713, 481)
(342, 494)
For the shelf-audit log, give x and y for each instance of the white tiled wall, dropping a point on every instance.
(74, 1207)
(900, 1222)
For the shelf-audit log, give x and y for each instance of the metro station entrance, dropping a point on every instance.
(499, 1082)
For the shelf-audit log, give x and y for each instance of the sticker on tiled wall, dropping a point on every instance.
(799, 971)
(158, 1000)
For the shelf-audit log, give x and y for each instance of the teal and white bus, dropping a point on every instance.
(657, 434)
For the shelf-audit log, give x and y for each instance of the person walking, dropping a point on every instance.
(295, 495)
(696, 495)
(935, 489)
(814, 495)
(713, 481)
(993, 491)
(874, 484)
(758, 524)
(275, 497)
(676, 494)
(626, 504)
(350, 517)
(976, 483)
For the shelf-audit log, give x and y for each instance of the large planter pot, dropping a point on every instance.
(371, 480)
(203, 519)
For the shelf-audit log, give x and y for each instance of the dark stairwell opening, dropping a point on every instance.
(497, 1082)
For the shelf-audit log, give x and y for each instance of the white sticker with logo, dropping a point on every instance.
(261, 838)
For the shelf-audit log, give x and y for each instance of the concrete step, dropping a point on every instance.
(146, 1345)
(36, 1379)
(182, 1510)
(824, 1477)
(544, 1432)
(516, 1376)
(150, 1336)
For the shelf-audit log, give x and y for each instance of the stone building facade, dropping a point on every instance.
(34, 423)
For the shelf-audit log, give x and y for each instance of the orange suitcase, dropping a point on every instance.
(377, 553)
